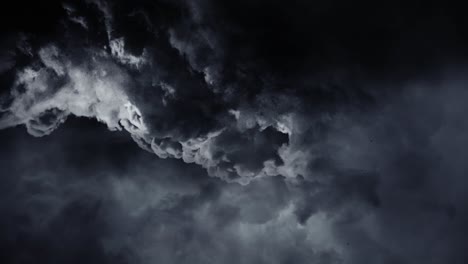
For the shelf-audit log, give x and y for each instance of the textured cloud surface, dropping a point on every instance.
(332, 132)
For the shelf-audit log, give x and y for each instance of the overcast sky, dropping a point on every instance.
(247, 131)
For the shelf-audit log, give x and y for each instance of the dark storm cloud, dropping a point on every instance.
(357, 107)
(128, 207)
(122, 89)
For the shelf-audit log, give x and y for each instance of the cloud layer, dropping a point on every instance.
(345, 129)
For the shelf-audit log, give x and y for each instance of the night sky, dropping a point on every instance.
(233, 131)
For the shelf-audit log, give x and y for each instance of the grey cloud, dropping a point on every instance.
(147, 210)
(159, 104)
(348, 148)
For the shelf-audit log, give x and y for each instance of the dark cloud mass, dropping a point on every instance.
(275, 132)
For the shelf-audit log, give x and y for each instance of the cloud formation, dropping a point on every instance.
(166, 108)
(345, 129)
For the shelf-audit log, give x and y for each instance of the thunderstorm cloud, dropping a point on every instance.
(249, 131)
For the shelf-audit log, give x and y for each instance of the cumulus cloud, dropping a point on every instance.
(164, 108)
(46, 94)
